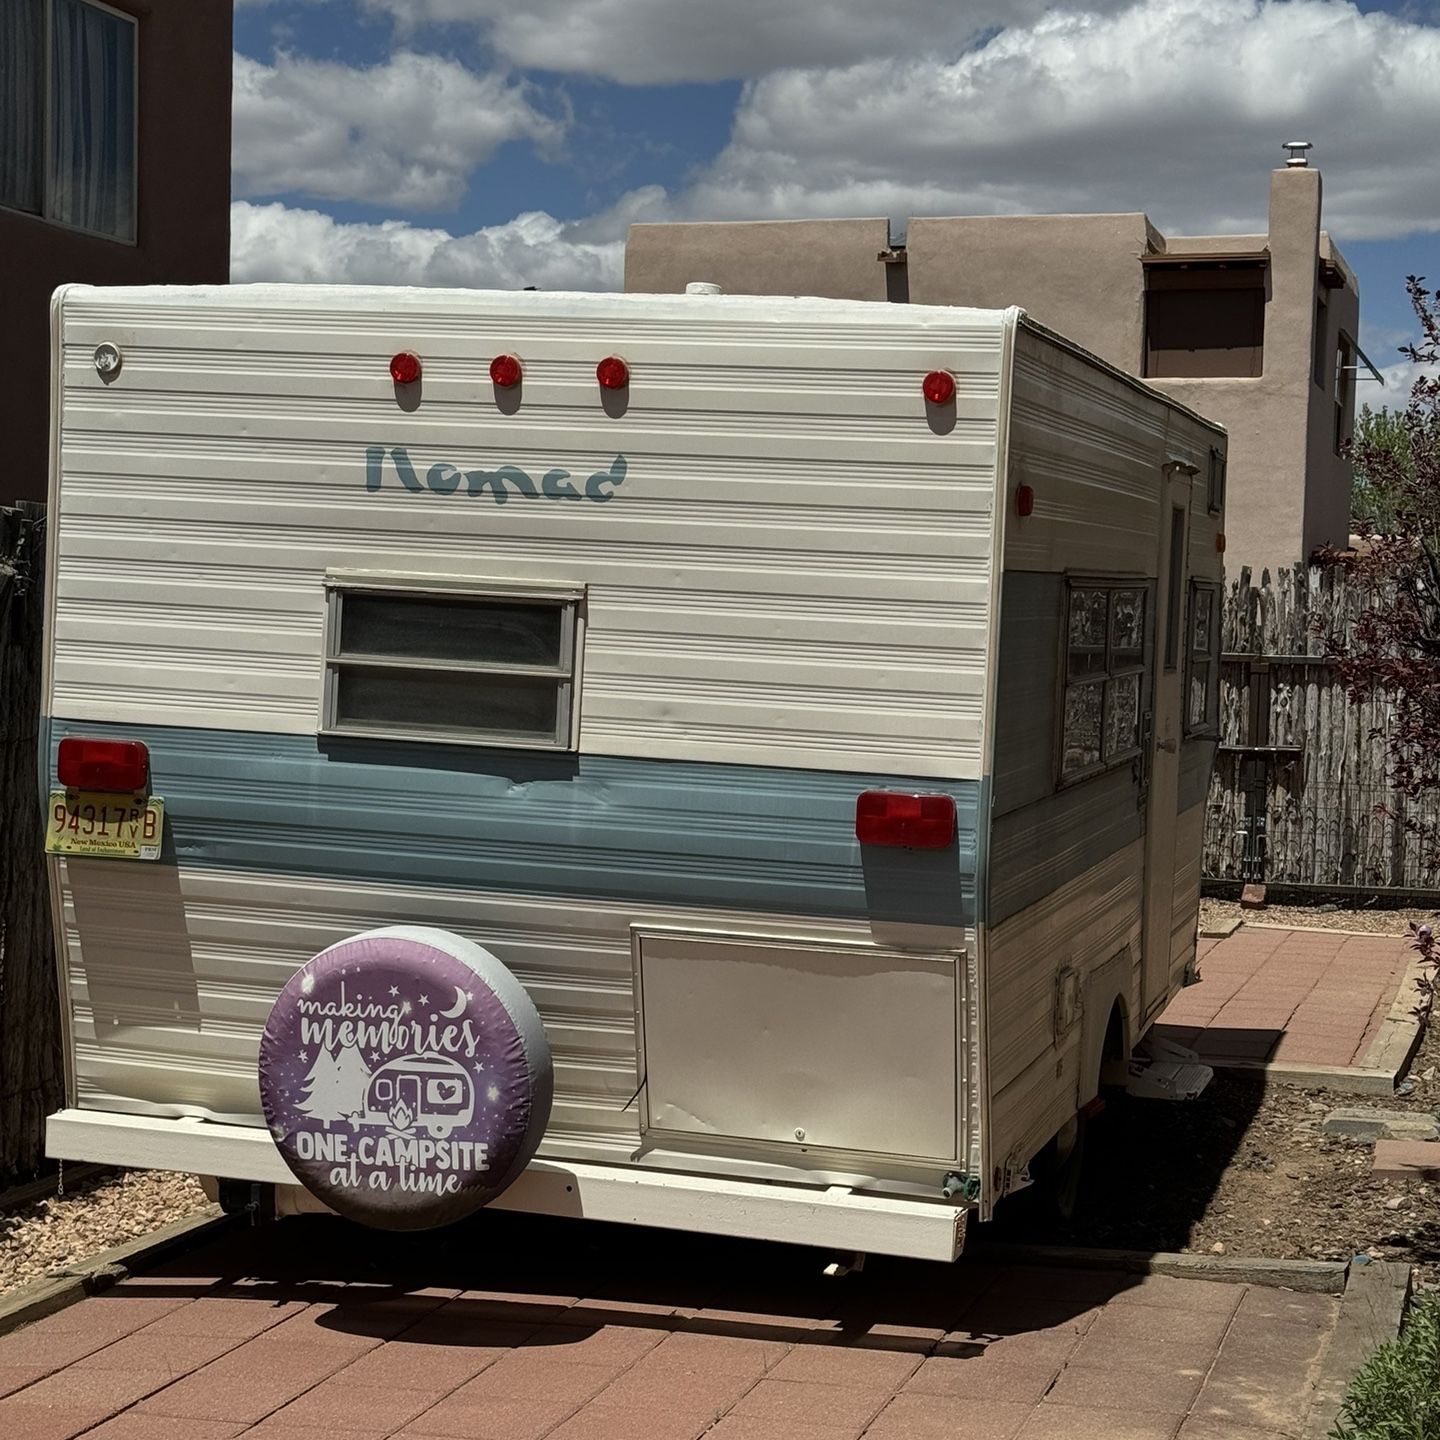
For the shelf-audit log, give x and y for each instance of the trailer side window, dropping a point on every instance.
(1104, 672)
(1202, 705)
(418, 661)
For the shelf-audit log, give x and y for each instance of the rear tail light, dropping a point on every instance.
(115, 765)
(612, 373)
(919, 822)
(405, 367)
(506, 371)
(939, 387)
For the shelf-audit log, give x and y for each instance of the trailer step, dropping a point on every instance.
(1162, 1070)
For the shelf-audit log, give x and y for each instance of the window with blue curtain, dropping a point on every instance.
(67, 117)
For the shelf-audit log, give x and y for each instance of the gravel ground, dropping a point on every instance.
(1365, 919)
(100, 1212)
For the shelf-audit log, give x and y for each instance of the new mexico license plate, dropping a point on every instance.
(86, 822)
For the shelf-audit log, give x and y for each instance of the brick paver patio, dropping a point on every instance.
(1310, 997)
(517, 1329)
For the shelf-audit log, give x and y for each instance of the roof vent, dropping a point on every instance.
(702, 287)
(1297, 149)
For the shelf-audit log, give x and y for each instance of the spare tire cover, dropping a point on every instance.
(405, 1077)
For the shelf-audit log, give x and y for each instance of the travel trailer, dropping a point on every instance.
(749, 754)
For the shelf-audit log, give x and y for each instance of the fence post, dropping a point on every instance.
(31, 1067)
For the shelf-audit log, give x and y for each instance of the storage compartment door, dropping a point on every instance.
(797, 1043)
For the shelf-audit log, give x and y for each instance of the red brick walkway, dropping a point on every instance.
(1311, 997)
(314, 1330)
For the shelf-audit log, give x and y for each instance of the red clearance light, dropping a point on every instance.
(505, 371)
(115, 765)
(920, 822)
(1024, 500)
(405, 367)
(612, 373)
(939, 387)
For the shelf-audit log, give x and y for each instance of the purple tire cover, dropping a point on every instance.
(405, 1077)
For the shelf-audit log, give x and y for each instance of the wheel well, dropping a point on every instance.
(1115, 1048)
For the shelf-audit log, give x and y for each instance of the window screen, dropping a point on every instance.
(1205, 319)
(458, 666)
(1105, 634)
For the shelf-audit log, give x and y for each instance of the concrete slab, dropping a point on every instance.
(1373, 1125)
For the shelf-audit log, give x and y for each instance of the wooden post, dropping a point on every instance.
(31, 1068)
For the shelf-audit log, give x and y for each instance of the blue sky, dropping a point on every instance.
(476, 142)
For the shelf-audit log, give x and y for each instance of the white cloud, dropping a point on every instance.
(278, 242)
(1176, 107)
(408, 133)
(649, 42)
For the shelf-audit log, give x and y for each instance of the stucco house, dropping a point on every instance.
(1254, 331)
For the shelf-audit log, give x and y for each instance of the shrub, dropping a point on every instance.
(1396, 1394)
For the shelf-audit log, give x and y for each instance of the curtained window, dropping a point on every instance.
(22, 98)
(67, 149)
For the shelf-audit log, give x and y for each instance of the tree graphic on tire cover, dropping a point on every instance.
(327, 1090)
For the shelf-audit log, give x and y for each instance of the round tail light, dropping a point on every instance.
(939, 387)
(405, 367)
(612, 373)
(505, 371)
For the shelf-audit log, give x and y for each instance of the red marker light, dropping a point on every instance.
(612, 373)
(1024, 500)
(919, 822)
(939, 387)
(405, 367)
(506, 371)
(116, 765)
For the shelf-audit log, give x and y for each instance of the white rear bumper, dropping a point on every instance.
(831, 1218)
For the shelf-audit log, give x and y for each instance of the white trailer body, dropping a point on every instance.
(776, 577)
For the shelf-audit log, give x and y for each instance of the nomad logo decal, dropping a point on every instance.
(500, 484)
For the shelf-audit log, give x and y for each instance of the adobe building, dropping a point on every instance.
(114, 170)
(1254, 331)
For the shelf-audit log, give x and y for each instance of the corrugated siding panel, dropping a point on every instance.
(795, 571)
(168, 1011)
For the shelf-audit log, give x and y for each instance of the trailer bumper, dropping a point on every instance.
(831, 1217)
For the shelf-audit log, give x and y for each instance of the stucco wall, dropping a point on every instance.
(835, 258)
(1078, 274)
(182, 219)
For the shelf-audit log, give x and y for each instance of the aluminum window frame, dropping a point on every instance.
(1209, 728)
(1064, 778)
(45, 214)
(567, 599)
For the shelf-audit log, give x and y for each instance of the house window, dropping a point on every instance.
(1202, 705)
(1344, 390)
(1215, 482)
(1205, 319)
(68, 78)
(1104, 676)
(425, 661)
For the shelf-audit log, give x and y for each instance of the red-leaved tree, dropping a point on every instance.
(1393, 647)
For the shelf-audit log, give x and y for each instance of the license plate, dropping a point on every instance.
(86, 822)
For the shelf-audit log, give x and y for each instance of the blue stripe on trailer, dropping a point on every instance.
(660, 831)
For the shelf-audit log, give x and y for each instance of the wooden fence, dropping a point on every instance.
(31, 1071)
(1301, 793)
